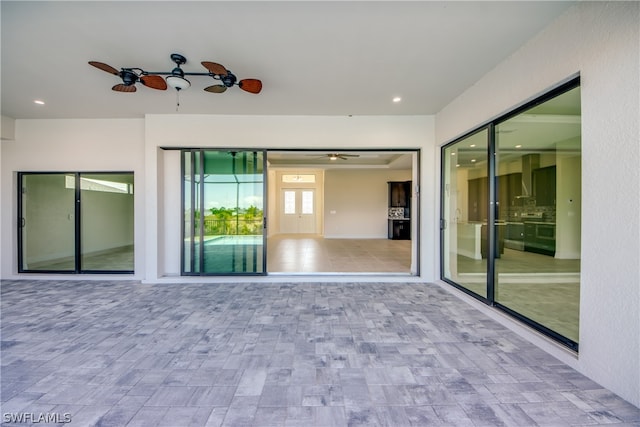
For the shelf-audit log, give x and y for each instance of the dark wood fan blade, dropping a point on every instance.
(124, 88)
(250, 85)
(216, 88)
(215, 68)
(104, 67)
(154, 82)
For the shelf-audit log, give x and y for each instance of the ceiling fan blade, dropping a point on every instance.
(124, 88)
(215, 68)
(104, 67)
(250, 85)
(154, 82)
(216, 88)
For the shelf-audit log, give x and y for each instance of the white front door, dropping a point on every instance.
(298, 211)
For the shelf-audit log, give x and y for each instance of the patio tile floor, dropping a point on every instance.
(121, 353)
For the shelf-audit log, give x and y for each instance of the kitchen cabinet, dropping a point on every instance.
(399, 213)
(509, 187)
(544, 186)
(484, 242)
(399, 229)
(478, 199)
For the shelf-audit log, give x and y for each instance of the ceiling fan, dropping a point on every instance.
(175, 78)
(336, 156)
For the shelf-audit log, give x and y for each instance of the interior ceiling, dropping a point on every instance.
(313, 57)
(347, 160)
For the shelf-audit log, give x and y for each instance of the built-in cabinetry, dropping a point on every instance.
(399, 213)
(544, 186)
(478, 199)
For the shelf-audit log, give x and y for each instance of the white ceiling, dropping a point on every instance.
(340, 159)
(314, 58)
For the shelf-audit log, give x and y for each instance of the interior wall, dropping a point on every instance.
(70, 145)
(356, 202)
(107, 221)
(601, 42)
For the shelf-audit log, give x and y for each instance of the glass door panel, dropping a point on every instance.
(47, 222)
(106, 202)
(297, 214)
(192, 235)
(538, 168)
(76, 222)
(465, 212)
(224, 212)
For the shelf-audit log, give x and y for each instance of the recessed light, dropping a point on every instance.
(519, 146)
(472, 145)
(453, 154)
(473, 160)
(397, 99)
(39, 102)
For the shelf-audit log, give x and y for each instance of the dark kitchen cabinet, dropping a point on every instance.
(508, 187)
(478, 199)
(399, 217)
(399, 229)
(544, 186)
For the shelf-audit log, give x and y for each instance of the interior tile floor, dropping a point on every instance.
(288, 253)
(120, 353)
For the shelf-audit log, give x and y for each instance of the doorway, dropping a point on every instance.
(298, 211)
(245, 211)
(329, 212)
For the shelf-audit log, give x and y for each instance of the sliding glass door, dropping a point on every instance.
(223, 211)
(538, 164)
(511, 209)
(75, 222)
(466, 210)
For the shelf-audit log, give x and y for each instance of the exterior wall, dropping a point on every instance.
(314, 132)
(601, 41)
(63, 146)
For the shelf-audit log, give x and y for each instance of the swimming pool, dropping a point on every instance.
(234, 240)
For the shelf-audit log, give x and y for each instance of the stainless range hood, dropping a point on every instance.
(530, 162)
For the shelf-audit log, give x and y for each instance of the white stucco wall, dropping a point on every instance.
(601, 41)
(313, 132)
(69, 146)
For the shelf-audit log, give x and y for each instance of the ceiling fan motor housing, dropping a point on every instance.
(128, 77)
(228, 79)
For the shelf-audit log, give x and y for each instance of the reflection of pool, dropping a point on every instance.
(233, 240)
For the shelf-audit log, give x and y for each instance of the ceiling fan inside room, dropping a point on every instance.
(336, 156)
(176, 77)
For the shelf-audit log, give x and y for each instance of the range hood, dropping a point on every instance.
(530, 162)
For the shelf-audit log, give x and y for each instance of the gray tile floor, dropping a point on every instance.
(265, 354)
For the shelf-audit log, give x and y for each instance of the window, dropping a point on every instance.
(300, 178)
